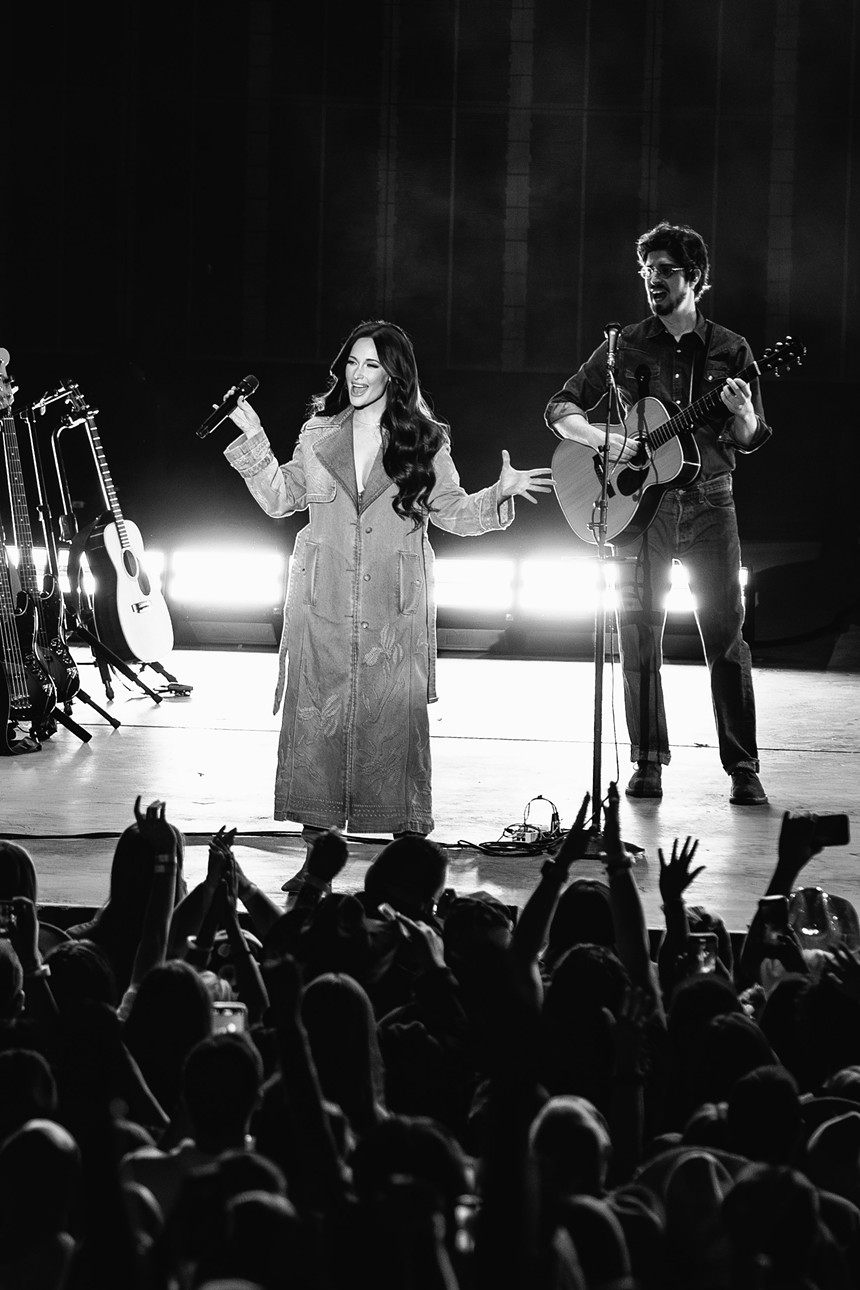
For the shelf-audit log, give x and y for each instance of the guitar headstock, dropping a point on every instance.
(782, 356)
(75, 399)
(7, 391)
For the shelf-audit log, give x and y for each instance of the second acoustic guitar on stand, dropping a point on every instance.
(130, 614)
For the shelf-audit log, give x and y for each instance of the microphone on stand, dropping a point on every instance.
(611, 331)
(246, 386)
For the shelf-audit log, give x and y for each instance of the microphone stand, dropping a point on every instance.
(605, 554)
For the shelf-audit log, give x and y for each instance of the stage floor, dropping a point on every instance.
(504, 731)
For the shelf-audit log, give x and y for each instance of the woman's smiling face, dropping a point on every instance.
(366, 378)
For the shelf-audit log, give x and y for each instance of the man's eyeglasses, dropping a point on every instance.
(662, 270)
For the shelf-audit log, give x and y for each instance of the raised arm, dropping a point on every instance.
(675, 878)
(533, 924)
(189, 915)
(631, 929)
(797, 845)
(159, 835)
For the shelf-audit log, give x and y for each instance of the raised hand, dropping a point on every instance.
(617, 856)
(425, 941)
(328, 856)
(575, 844)
(155, 829)
(787, 950)
(675, 876)
(522, 483)
(797, 844)
(220, 854)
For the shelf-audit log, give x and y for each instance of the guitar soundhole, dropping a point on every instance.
(629, 482)
(136, 570)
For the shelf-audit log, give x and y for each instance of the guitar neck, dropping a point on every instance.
(107, 482)
(7, 594)
(688, 418)
(20, 514)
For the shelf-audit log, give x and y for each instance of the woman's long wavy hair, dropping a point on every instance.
(412, 434)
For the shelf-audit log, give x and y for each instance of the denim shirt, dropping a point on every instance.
(651, 361)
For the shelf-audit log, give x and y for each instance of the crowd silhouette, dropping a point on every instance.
(412, 1089)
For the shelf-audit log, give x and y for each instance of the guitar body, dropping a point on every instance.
(131, 616)
(634, 489)
(27, 693)
(51, 643)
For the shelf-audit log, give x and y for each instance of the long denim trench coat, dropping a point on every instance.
(358, 652)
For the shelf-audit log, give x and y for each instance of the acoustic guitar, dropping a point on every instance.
(667, 456)
(130, 614)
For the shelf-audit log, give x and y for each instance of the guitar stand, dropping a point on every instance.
(63, 718)
(173, 686)
(106, 659)
(85, 698)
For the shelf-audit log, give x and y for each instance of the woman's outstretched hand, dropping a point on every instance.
(522, 483)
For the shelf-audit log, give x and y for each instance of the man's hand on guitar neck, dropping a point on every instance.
(737, 396)
(576, 426)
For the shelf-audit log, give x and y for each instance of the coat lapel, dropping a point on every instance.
(377, 482)
(334, 452)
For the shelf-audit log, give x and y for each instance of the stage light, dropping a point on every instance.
(482, 585)
(564, 587)
(40, 563)
(680, 600)
(226, 577)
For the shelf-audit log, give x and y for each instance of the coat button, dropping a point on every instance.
(367, 577)
(370, 530)
(365, 626)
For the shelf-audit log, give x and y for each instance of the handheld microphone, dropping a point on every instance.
(611, 331)
(246, 386)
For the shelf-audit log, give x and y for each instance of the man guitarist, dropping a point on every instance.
(680, 355)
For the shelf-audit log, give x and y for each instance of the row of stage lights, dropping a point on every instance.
(541, 588)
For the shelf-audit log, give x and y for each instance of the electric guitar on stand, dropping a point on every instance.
(45, 594)
(130, 615)
(27, 693)
(667, 457)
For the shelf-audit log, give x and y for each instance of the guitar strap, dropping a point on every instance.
(76, 551)
(697, 375)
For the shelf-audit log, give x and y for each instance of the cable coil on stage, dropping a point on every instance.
(522, 839)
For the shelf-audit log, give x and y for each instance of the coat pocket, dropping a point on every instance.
(324, 589)
(410, 582)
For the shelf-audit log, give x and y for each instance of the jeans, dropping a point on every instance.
(696, 525)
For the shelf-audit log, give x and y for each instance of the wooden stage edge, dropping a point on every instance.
(505, 732)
